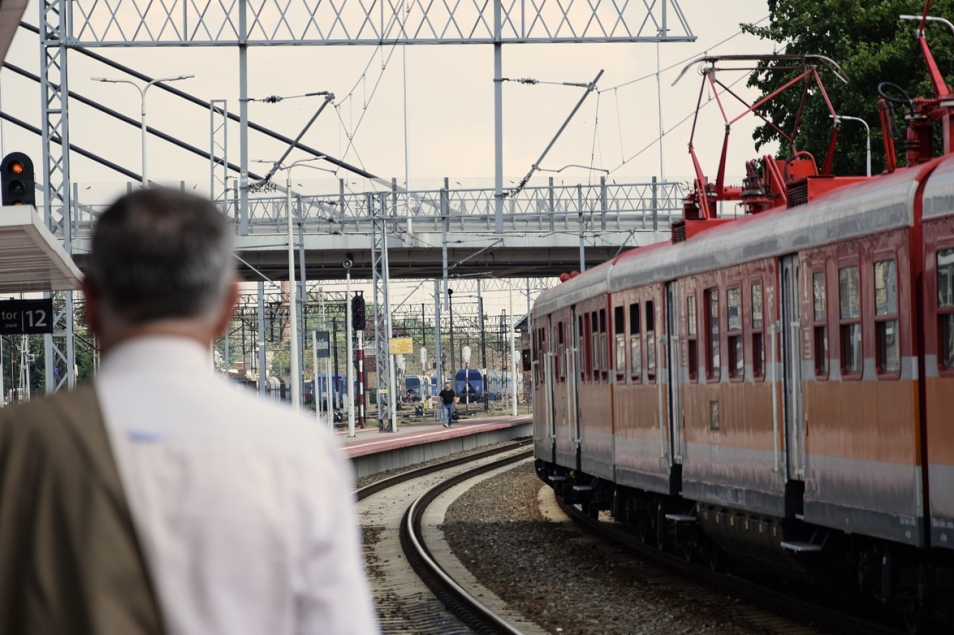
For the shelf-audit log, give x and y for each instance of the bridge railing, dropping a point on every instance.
(602, 206)
(551, 208)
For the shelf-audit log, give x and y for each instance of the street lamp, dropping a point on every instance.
(450, 310)
(867, 135)
(142, 96)
(295, 370)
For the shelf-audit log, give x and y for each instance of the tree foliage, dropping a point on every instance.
(871, 45)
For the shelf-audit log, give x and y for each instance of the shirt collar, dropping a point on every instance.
(159, 352)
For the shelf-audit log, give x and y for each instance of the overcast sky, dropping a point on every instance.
(450, 116)
(449, 106)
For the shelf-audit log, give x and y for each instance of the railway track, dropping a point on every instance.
(412, 591)
(815, 616)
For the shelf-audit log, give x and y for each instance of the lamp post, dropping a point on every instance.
(450, 309)
(142, 96)
(348, 263)
(295, 370)
(867, 137)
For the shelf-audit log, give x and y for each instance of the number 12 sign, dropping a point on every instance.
(28, 317)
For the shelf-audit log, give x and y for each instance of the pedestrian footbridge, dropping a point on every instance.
(545, 230)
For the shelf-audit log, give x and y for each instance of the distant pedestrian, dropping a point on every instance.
(447, 403)
(156, 500)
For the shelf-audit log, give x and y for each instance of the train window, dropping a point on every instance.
(849, 313)
(887, 353)
(619, 330)
(604, 345)
(693, 353)
(594, 345)
(945, 308)
(733, 303)
(635, 354)
(820, 328)
(758, 340)
(650, 343)
(561, 353)
(713, 367)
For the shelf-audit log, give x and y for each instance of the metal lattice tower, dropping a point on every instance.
(54, 21)
(219, 151)
(382, 313)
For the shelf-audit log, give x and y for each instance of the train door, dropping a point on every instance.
(675, 374)
(791, 370)
(573, 360)
(546, 359)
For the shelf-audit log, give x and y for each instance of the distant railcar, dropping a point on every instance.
(469, 385)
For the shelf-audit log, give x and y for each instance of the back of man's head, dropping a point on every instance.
(160, 254)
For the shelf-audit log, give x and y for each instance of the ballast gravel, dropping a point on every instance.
(568, 582)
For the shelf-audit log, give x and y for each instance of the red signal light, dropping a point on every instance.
(16, 167)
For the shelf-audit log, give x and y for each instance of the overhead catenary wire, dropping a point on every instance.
(536, 166)
(681, 121)
(206, 105)
(596, 126)
(684, 61)
(656, 74)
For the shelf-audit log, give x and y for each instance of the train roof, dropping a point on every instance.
(885, 202)
(939, 192)
(586, 285)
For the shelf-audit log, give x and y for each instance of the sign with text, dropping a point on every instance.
(29, 317)
(402, 345)
(323, 344)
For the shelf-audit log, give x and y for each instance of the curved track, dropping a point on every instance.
(413, 593)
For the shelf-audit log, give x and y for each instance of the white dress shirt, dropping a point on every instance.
(243, 508)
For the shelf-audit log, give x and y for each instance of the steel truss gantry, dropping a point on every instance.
(349, 22)
(384, 363)
(66, 24)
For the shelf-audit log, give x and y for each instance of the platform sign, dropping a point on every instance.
(323, 344)
(402, 345)
(30, 317)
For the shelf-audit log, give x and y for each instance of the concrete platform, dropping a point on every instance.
(372, 452)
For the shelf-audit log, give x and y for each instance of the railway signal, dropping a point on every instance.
(358, 320)
(17, 180)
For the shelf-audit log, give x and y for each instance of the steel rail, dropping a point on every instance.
(467, 608)
(795, 608)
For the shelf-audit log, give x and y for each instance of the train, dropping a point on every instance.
(469, 385)
(776, 389)
(480, 384)
(416, 387)
(339, 388)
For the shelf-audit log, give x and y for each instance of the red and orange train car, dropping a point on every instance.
(778, 387)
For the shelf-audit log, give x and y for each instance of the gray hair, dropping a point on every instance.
(159, 254)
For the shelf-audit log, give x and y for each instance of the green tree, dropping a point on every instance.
(871, 45)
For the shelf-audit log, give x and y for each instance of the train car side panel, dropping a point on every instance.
(938, 329)
(640, 393)
(732, 438)
(861, 394)
(595, 390)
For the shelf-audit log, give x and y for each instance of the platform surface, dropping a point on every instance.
(370, 440)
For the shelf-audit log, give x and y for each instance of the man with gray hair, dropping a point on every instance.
(158, 499)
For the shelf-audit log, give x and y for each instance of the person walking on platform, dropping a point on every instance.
(158, 500)
(447, 403)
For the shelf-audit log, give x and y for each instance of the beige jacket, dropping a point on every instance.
(70, 561)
